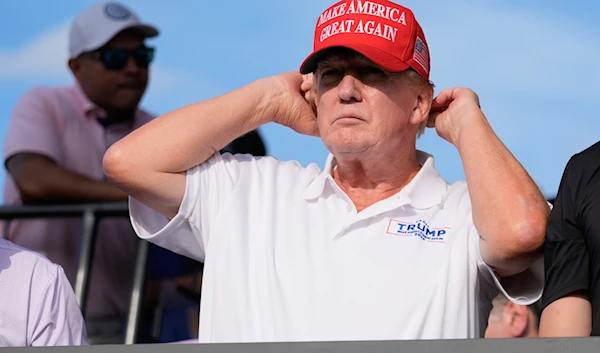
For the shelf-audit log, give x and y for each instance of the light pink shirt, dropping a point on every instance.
(38, 305)
(60, 122)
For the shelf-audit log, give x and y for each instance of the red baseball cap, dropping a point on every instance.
(386, 33)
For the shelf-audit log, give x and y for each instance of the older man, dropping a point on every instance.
(377, 245)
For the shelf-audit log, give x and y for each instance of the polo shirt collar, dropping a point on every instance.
(425, 190)
(316, 187)
(87, 107)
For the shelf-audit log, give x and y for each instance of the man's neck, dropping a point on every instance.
(369, 180)
(119, 116)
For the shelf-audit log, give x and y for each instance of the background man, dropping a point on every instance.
(284, 245)
(510, 320)
(55, 145)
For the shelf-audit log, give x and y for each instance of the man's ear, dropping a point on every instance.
(421, 108)
(518, 319)
(75, 66)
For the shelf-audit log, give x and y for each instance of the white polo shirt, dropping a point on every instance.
(37, 304)
(288, 258)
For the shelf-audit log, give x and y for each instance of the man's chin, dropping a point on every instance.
(348, 149)
(127, 105)
(126, 99)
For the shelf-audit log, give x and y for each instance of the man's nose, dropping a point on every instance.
(349, 89)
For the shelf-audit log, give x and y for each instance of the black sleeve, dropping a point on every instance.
(251, 143)
(565, 253)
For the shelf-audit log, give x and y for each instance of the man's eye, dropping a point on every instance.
(372, 70)
(331, 76)
(330, 73)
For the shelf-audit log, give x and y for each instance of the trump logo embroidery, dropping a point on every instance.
(418, 228)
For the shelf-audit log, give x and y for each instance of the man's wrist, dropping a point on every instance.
(265, 109)
(470, 126)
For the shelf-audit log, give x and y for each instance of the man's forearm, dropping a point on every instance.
(41, 180)
(71, 187)
(150, 163)
(570, 316)
(59, 185)
(509, 210)
(186, 137)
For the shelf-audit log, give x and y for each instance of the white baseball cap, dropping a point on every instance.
(98, 24)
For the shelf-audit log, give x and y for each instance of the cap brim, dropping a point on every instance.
(146, 30)
(378, 56)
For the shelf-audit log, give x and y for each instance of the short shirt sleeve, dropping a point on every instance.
(56, 316)
(565, 251)
(34, 126)
(208, 187)
(524, 288)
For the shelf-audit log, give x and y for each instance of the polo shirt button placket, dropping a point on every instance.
(346, 226)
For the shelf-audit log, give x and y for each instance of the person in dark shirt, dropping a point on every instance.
(510, 320)
(571, 298)
(251, 143)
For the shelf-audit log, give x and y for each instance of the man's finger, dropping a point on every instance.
(443, 99)
(440, 101)
(439, 106)
(305, 86)
(431, 119)
(306, 82)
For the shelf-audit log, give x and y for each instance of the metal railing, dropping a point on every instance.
(90, 214)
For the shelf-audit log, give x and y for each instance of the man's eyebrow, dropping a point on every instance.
(327, 63)
(337, 60)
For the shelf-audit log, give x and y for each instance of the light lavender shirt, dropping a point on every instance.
(38, 307)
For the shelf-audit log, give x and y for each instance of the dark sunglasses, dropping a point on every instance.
(116, 59)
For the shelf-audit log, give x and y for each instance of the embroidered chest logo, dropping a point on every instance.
(418, 228)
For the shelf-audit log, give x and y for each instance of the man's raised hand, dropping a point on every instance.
(293, 102)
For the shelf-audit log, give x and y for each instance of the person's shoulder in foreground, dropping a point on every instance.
(572, 294)
(38, 304)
